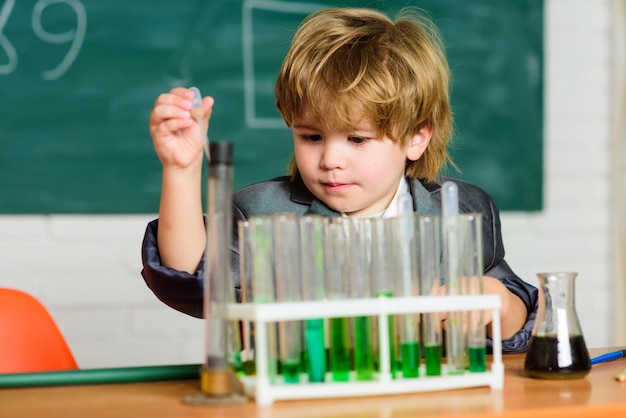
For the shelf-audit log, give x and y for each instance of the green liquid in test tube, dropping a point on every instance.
(249, 367)
(286, 271)
(477, 359)
(472, 267)
(404, 233)
(312, 273)
(360, 288)
(429, 256)
(363, 351)
(340, 360)
(290, 370)
(315, 354)
(410, 352)
(336, 247)
(432, 358)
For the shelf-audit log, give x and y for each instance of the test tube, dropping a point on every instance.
(312, 273)
(473, 271)
(261, 233)
(456, 342)
(430, 256)
(336, 262)
(407, 285)
(383, 272)
(286, 253)
(245, 284)
(197, 111)
(361, 287)
(222, 344)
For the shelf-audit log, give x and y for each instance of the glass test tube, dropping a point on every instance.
(407, 285)
(361, 287)
(222, 345)
(456, 342)
(312, 273)
(336, 239)
(245, 283)
(286, 253)
(263, 289)
(430, 256)
(383, 272)
(473, 271)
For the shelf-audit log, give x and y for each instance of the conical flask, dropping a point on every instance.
(557, 347)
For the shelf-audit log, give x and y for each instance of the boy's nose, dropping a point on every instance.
(332, 157)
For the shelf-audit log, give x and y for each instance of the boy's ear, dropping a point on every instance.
(419, 142)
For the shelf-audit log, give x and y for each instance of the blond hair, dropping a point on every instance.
(392, 72)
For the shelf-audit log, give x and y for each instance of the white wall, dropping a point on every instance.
(573, 232)
(86, 268)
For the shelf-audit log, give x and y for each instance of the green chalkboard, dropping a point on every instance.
(78, 79)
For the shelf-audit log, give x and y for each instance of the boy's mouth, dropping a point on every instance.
(335, 186)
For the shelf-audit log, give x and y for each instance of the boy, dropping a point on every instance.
(367, 101)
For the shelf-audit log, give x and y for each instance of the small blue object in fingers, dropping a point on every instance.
(197, 98)
(197, 111)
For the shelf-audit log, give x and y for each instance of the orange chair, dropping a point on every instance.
(30, 340)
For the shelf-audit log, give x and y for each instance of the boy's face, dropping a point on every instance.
(351, 170)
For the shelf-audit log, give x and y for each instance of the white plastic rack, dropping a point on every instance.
(265, 392)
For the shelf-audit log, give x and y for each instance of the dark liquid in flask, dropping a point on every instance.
(542, 359)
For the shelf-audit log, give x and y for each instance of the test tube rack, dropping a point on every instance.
(265, 392)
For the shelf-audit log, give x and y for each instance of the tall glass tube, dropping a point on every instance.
(430, 276)
(456, 341)
(361, 287)
(263, 288)
(288, 289)
(312, 273)
(245, 283)
(336, 239)
(473, 248)
(407, 285)
(383, 274)
(222, 344)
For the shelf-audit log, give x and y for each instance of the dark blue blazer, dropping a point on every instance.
(184, 292)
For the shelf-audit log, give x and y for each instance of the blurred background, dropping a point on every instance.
(539, 96)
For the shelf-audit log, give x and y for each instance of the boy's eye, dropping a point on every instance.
(357, 139)
(312, 137)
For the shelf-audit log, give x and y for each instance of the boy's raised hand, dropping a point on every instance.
(177, 138)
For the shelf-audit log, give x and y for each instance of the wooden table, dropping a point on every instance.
(597, 395)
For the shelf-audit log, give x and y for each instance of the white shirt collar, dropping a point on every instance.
(392, 210)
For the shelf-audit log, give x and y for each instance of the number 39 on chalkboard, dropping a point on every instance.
(74, 37)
